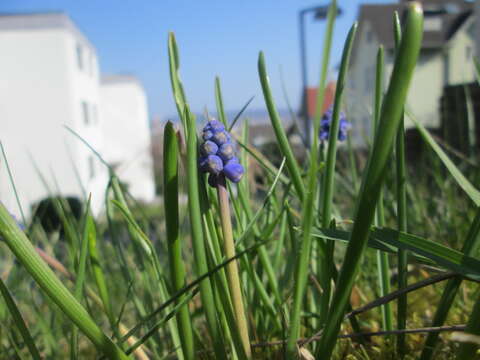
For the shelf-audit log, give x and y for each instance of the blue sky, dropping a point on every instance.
(215, 38)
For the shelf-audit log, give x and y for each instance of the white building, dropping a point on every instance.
(126, 127)
(446, 58)
(49, 77)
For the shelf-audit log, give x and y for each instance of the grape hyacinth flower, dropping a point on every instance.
(344, 125)
(218, 154)
(217, 157)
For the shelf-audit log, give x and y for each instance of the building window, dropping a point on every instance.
(86, 118)
(468, 53)
(432, 23)
(91, 167)
(369, 36)
(92, 64)
(94, 114)
(80, 56)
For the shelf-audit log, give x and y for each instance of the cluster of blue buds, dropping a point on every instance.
(327, 120)
(218, 154)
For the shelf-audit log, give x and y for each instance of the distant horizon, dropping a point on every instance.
(254, 115)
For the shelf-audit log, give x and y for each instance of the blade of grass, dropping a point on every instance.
(12, 182)
(219, 102)
(177, 267)
(262, 161)
(206, 291)
(177, 87)
(451, 259)
(98, 273)
(373, 178)
(80, 273)
(402, 262)
(382, 257)
(242, 110)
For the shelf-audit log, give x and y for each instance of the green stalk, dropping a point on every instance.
(206, 291)
(401, 214)
(177, 87)
(382, 257)
(468, 350)
(469, 248)
(232, 267)
(177, 267)
(277, 125)
(329, 178)
(53, 287)
(390, 118)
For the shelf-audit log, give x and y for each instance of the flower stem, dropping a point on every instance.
(232, 267)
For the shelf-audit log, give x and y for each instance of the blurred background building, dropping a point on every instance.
(444, 78)
(50, 78)
(127, 149)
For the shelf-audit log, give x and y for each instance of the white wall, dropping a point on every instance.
(40, 89)
(461, 49)
(426, 89)
(126, 130)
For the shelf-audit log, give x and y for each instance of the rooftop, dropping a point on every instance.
(41, 21)
(120, 79)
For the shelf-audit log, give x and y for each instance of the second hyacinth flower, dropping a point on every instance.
(217, 154)
(326, 122)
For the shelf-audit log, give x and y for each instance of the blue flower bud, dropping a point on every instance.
(233, 171)
(233, 160)
(218, 154)
(203, 164)
(220, 137)
(226, 151)
(207, 135)
(214, 164)
(214, 125)
(208, 148)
